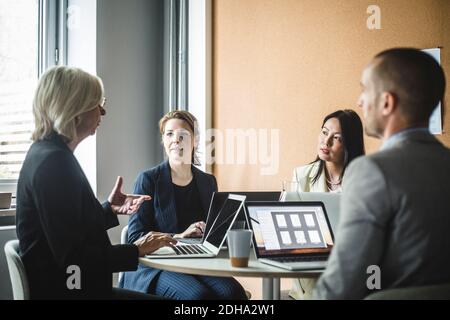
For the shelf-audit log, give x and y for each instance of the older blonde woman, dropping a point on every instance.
(61, 226)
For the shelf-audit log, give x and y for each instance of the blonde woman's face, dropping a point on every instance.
(89, 122)
(178, 141)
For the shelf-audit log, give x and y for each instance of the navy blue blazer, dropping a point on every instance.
(159, 214)
(60, 223)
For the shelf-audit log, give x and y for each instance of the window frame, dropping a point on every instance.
(199, 79)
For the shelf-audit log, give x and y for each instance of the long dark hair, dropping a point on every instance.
(352, 138)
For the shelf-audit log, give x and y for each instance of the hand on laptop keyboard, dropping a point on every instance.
(152, 241)
(195, 230)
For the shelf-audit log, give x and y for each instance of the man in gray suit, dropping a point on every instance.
(395, 225)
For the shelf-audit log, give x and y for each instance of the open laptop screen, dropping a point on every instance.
(215, 205)
(225, 218)
(220, 197)
(285, 229)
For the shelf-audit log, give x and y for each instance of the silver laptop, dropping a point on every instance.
(332, 202)
(290, 235)
(214, 239)
(217, 201)
(220, 197)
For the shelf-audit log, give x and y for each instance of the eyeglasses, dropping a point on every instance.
(102, 102)
(102, 106)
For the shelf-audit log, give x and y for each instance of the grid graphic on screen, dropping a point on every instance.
(298, 229)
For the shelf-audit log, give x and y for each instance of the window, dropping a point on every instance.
(199, 72)
(188, 46)
(28, 43)
(18, 78)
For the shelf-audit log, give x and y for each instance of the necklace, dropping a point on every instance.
(334, 188)
(334, 183)
(330, 182)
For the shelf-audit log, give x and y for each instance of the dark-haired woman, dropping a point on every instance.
(340, 141)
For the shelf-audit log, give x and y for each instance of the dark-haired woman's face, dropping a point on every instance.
(330, 146)
(178, 141)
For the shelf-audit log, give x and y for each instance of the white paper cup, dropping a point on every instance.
(239, 241)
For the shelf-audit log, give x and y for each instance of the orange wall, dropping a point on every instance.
(285, 64)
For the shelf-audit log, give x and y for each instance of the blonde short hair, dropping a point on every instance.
(62, 94)
(192, 123)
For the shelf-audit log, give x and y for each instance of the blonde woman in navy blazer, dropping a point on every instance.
(180, 200)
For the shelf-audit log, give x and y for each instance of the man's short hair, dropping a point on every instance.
(415, 77)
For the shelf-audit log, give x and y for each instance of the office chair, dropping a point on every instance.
(124, 235)
(433, 292)
(123, 240)
(19, 280)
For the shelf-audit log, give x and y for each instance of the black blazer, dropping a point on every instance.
(60, 223)
(159, 214)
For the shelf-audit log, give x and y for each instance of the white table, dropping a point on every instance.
(220, 267)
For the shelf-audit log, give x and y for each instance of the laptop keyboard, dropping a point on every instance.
(299, 258)
(189, 249)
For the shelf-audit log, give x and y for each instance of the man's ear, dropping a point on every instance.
(388, 103)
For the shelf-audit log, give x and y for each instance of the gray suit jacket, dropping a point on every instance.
(395, 213)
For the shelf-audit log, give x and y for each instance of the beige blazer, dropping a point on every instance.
(304, 176)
